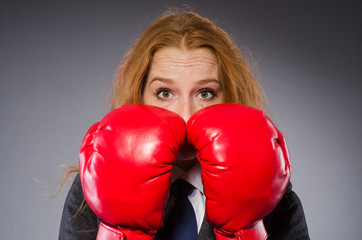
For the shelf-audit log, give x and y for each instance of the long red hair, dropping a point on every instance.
(186, 30)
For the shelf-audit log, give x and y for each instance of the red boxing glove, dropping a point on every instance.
(245, 168)
(125, 165)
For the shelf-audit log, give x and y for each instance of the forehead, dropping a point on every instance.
(171, 57)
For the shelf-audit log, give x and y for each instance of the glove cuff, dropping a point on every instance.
(106, 232)
(255, 232)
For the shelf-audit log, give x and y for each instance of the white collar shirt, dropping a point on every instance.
(197, 197)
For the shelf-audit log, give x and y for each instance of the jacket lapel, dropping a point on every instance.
(206, 231)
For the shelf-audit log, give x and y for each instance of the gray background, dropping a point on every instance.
(58, 59)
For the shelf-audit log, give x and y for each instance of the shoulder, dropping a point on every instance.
(78, 220)
(287, 220)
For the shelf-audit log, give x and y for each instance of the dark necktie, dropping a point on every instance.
(181, 223)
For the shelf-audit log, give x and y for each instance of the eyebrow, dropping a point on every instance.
(171, 82)
(164, 80)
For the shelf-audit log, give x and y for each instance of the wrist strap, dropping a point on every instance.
(256, 232)
(106, 232)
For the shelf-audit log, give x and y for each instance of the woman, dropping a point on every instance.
(183, 70)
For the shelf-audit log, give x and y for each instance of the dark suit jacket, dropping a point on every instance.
(286, 221)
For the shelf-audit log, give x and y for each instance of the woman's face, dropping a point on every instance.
(183, 81)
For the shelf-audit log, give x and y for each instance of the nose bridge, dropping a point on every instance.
(187, 108)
